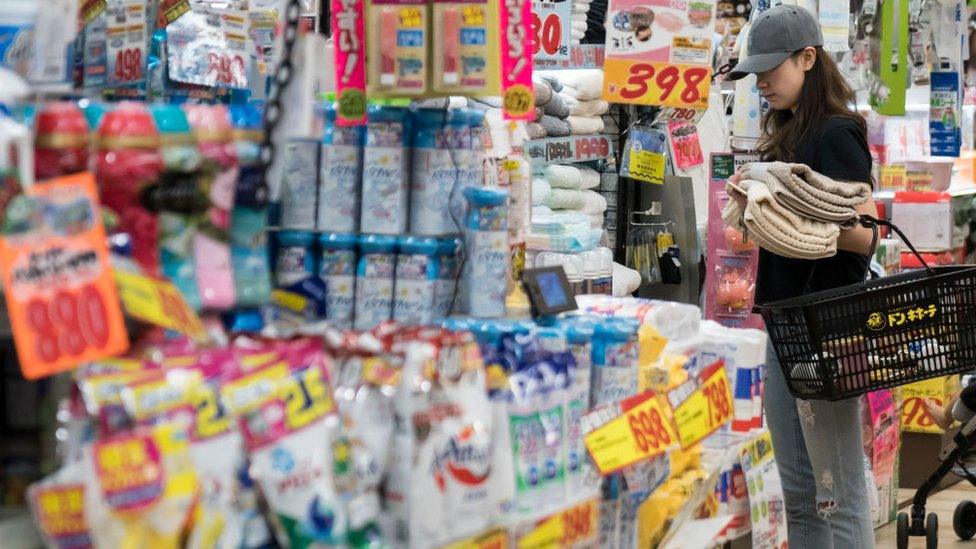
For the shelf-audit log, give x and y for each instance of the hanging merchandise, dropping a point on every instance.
(207, 46)
(891, 63)
(644, 155)
(462, 64)
(746, 102)
(944, 114)
(659, 53)
(397, 32)
(685, 147)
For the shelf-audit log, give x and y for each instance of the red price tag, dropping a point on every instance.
(62, 302)
(574, 527)
(128, 65)
(227, 70)
(656, 83)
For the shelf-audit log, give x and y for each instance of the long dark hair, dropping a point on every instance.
(825, 93)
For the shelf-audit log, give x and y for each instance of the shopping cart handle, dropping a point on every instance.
(873, 223)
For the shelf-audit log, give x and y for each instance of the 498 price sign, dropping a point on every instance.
(61, 298)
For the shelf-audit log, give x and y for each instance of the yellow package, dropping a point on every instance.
(684, 460)
(462, 63)
(141, 488)
(397, 36)
(665, 374)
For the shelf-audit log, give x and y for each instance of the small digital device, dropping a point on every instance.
(549, 291)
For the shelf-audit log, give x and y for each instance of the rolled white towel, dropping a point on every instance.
(584, 125)
(563, 177)
(595, 107)
(596, 220)
(584, 84)
(595, 203)
(581, 8)
(541, 210)
(625, 280)
(566, 199)
(579, 25)
(540, 191)
(590, 178)
(579, 17)
(577, 35)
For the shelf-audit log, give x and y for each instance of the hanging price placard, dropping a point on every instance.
(707, 408)
(125, 43)
(551, 29)
(685, 145)
(518, 97)
(656, 84)
(577, 526)
(158, 302)
(642, 431)
(62, 302)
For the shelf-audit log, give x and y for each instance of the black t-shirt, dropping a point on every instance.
(839, 150)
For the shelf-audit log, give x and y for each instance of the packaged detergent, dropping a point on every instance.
(417, 270)
(386, 175)
(615, 360)
(57, 503)
(437, 146)
(486, 238)
(339, 178)
(448, 272)
(374, 280)
(295, 261)
(579, 334)
(338, 270)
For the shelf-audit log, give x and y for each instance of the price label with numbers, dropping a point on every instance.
(656, 83)
(551, 29)
(915, 414)
(707, 409)
(158, 302)
(643, 430)
(577, 526)
(59, 511)
(61, 299)
(685, 145)
(125, 43)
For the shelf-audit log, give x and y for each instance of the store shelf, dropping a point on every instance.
(570, 149)
(887, 194)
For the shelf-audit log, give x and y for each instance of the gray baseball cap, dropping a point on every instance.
(776, 34)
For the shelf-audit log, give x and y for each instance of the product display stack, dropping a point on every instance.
(480, 274)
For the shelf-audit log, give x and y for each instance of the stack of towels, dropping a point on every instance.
(793, 211)
(581, 9)
(565, 189)
(568, 103)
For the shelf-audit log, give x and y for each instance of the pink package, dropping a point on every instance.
(731, 262)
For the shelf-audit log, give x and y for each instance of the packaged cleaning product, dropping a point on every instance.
(398, 31)
(283, 410)
(462, 63)
(61, 141)
(299, 183)
(615, 361)
(249, 218)
(211, 246)
(386, 157)
(338, 270)
(470, 159)
(486, 236)
(294, 258)
(448, 272)
(375, 280)
(127, 161)
(339, 179)
(416, 276)
(435, 169)
(579, 335)
(57, 503)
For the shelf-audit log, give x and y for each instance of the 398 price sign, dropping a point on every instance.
(63, 304)
(663, 84)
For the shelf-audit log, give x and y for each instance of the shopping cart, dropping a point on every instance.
(881, 333)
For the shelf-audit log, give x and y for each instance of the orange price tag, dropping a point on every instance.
(61, 299)
(656, 83)
(642, 431)
(60, 512)
(518, 100)
(706, 409)
(573, 527)
(158, 302)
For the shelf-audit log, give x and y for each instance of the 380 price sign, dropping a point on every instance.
(655, 83)
(546, 33)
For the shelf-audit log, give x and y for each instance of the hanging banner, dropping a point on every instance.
(61, 299)
(350, 61)
(551, 29)
(518, 98)
(659, 52)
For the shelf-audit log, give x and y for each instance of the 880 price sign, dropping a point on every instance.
(63, 304)
(653, 83)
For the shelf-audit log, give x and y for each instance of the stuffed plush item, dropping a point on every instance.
(566, 199)
(563, 177)
(594, 203)
(535, 129)
(589, 178)
(555, 127)
(540, 191)
(625, 281)
(582, 125)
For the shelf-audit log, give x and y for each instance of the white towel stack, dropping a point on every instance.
(566, 188)
(580, 9)
(570, 101)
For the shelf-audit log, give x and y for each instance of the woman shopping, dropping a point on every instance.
(812, 121)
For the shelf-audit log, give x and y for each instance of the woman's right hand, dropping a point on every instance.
(739, 199)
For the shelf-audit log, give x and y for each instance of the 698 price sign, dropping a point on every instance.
(61, 298)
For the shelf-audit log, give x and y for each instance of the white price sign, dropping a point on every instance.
(552, 26)
(125, 40)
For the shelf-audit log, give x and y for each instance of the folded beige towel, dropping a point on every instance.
(810, 194)
(776, 228)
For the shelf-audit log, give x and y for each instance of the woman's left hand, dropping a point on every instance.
(858, 239)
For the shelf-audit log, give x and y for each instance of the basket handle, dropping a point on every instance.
(873, 223)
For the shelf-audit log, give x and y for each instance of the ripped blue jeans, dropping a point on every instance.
(818, 451)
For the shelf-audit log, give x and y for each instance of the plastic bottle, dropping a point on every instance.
(470, 159)
(61, 141)
(386, 159)
(416, 276)
(486, 237)
(340, 175)
(338, 270)
(615, 353)
(249, 219)
(603, 284)
(374, 280)
(579, 335)
(590, 261)
(294, 258)
(573, 265)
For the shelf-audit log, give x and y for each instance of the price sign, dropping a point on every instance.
(62, 302)
(656, 83)
(125, 43)
(685, 144)
(706, 409)
(915, 415)
(573, 527)
(647, 166)
(494, 539)
(130, 471)
(551, 29)
(643, 430)
(158, 302)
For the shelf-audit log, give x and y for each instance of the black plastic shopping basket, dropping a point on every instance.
(880, 333)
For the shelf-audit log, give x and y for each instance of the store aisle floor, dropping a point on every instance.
(944, 504)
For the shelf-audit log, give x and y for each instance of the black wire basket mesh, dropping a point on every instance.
(884, 332)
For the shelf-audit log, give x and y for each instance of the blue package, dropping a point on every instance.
(438, 143)
(448, 264)
(386, 160)
(341, 170)
(615, 353)
(295, 261)
(486, 243)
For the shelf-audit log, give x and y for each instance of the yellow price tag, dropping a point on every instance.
(642, 431)
(410, 17)
(473, 16)
(707, 409)
(158, 302)
(493, 539)
(518, 101)
(657, 83)
(578, 525)
(893, 177)
(647, 166)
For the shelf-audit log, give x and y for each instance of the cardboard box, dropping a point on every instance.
(925, 218)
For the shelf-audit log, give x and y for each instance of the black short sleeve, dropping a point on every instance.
(841, 152)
